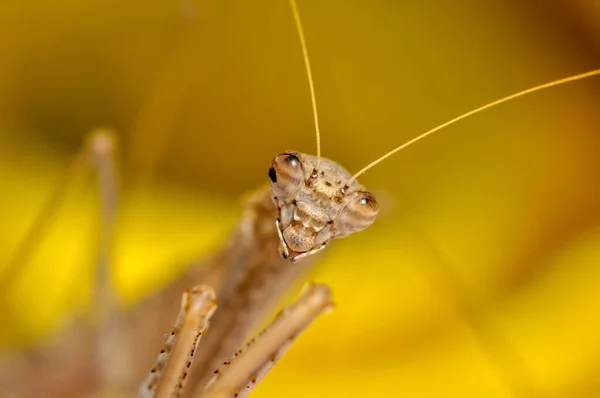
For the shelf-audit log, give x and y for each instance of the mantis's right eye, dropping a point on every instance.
(286, 174)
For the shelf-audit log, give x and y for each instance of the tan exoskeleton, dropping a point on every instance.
(314, 203)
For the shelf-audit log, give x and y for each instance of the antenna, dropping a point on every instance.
(473, 112)
(310, 80)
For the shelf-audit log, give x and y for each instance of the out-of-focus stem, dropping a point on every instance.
(34, 235)
(112, 342)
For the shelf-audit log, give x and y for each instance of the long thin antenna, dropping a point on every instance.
(309, 73)
(465, 115)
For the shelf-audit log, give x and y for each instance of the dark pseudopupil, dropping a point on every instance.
(272, 174)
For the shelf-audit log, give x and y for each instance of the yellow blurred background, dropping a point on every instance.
(481, 276)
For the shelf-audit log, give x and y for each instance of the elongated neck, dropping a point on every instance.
(256, 277)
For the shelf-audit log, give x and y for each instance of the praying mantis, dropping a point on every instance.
(180, 288)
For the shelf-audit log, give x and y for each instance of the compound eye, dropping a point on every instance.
(358, 214)
(286, 174)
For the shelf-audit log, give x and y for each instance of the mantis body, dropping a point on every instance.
(256, 266)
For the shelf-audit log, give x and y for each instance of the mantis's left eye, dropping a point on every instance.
(358, 214)
(286, 174)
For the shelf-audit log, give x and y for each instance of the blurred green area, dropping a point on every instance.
(479, 279)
